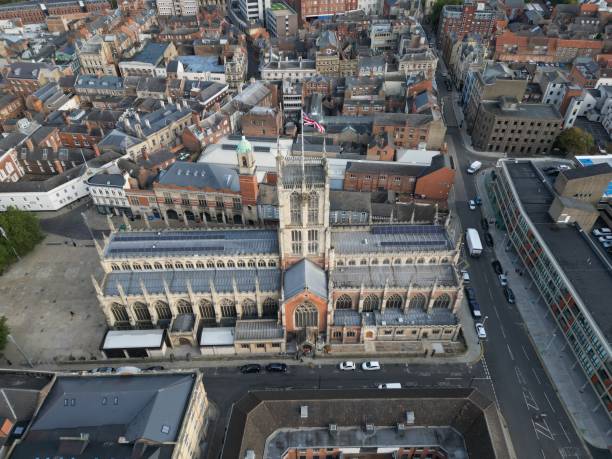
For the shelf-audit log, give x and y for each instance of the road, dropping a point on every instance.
(538, 423)
(226, 385)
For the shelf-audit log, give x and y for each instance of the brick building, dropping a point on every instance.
(32, 12)
(317, 8)
(408, 130)
(11, 106)
(262, 122)
(24, 78)
(474, 16)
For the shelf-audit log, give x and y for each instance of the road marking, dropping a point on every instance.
(525, 352)
(519, 376)
(548, 400)
(510, 352)
(536, 376)
(491, 294)
(502, 330)
(496, 313)
(565, 433)
(530, 401)
(543, 455)
(541, 428)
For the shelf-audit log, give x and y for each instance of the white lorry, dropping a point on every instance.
(474, 167)
(472, 240)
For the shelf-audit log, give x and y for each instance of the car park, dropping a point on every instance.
(465, 276)
(509, 294)
(503, 280)
(472, 205)
(276, 368)
(102, 370)
(370, 366)
(497, 267)
(484, 224)
(347, 366)
(602, 232)
(489, 239)
(250, 368)
(480, 330)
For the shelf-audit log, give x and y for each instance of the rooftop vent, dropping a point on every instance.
(369, 427)
(333, 428)
(410, 417)
(401, 426)
(304, 411)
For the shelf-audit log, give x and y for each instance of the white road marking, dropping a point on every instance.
(496, 313)
(530, 401)
(491, 294)
(525, 352)
(565, 433)
(502, 330)
(541, 428)
(543, 455)
(519, 376)
(536, 376)
(548, 400)
(510, 352)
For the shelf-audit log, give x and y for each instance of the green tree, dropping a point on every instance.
(4, 332)
(575, 141)
(436, 10)
(19, 235)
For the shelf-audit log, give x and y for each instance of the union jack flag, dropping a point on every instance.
(308, 121)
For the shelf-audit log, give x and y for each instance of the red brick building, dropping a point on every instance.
(37, 13)
(473, 16)
(381, 148)
(408, 130)
(315, 8)
(262, 122)
(11, 107)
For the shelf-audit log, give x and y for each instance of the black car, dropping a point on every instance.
(497, 267)
(155, 368)
(488, 239)
(470, 293)
(250, 368)
(509, 294)
(485, 224)
(276, 368)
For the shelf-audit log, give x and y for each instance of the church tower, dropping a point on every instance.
(248, 181)
(303, 200)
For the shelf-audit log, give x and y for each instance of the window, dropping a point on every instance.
(207, 310)
(417, 301)
(313, 241)
(313, 207)
(295, 204)
(370, 303)
(442, 301)
(296, 242)
(394, 302)
(344, 302)
(236, 203)
(228, 308)
(306, 315)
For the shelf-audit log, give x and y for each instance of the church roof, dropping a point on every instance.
(305, 275)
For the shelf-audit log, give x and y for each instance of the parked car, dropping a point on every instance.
(465, 276)
(488, 239)
(480, 330)
(276, 368)
(102, 370)
(607, 244)
(347, 366)
(509, 294)
(478, 201)
(602, 232)
(370, 366)
(472, 204)
(155, 368)
(497, 267)
(469, 293)
(128, 370)
(475, 309)
(503, 280)
(485, 224)
(604, 238)
(390, 385)
(250, 368)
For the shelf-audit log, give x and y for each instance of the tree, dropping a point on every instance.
(4, 332)
(575, 141)
(19, 235)
(436, 10)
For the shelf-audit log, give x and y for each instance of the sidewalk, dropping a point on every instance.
(557, 359)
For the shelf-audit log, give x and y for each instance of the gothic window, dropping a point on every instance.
(339, 263)
(370, 303)
(295, 204)
(220, 264)
(261, 263)
(386, 261)
(251, 263)
(126, 266)
(363, 262)
(230, 264)
(136, 267)
(146, 266)
(313, 241)
(397, 261)
(344, 302)
(351, 263)
(394, 302)
(188, 265)
(169, 265)
(228, 308)
(375, 261)
(207, 310)
(271, 264)
(417, 301)
(249, 309)
(306, 315)
(163, 311)
(119, 313)
(296, 242)
(141, 311)
(313, 207)
(184, 307)
(158, 265)
(442, 301)
(420, 261)
(178, 265)
(270, 308)
(200, 265)
(241, 264)
(210, 264)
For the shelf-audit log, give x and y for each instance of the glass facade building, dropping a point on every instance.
(574, 282)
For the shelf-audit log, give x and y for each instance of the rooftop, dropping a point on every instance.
(391, 239)
(201, 176)
(392, 275)
(201, 64)
(191, 243)
(519, 110)
(589, 275)
(152, 53)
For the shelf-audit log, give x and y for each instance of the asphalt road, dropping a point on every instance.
(226, 385)
(538, 423)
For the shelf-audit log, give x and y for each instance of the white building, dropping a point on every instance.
(292, 97)
(293, 71)
(552, 83)
(107, 191)
(253, 10)
(369, 6)
(177, 7)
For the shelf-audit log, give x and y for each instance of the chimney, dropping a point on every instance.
(145, 154)
(58, 166)
(143, 175)
(96, 149)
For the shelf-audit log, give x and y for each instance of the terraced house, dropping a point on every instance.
(301, 286)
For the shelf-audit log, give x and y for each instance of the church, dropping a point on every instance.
(302, 286)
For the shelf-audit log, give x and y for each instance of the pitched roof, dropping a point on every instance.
(201, 175)
(305, 275)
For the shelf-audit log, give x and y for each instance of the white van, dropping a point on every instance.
(474, 167)
(390, 385)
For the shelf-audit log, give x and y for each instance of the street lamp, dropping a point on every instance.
(484, 320)
(5, 236)
(12, 340)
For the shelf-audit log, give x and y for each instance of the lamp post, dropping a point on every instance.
(484, 320)
(12, 340)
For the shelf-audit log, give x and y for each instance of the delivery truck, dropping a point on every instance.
(472, 239)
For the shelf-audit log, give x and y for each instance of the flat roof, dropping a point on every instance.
(217, 336)
(133, 339)
(589, 275)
